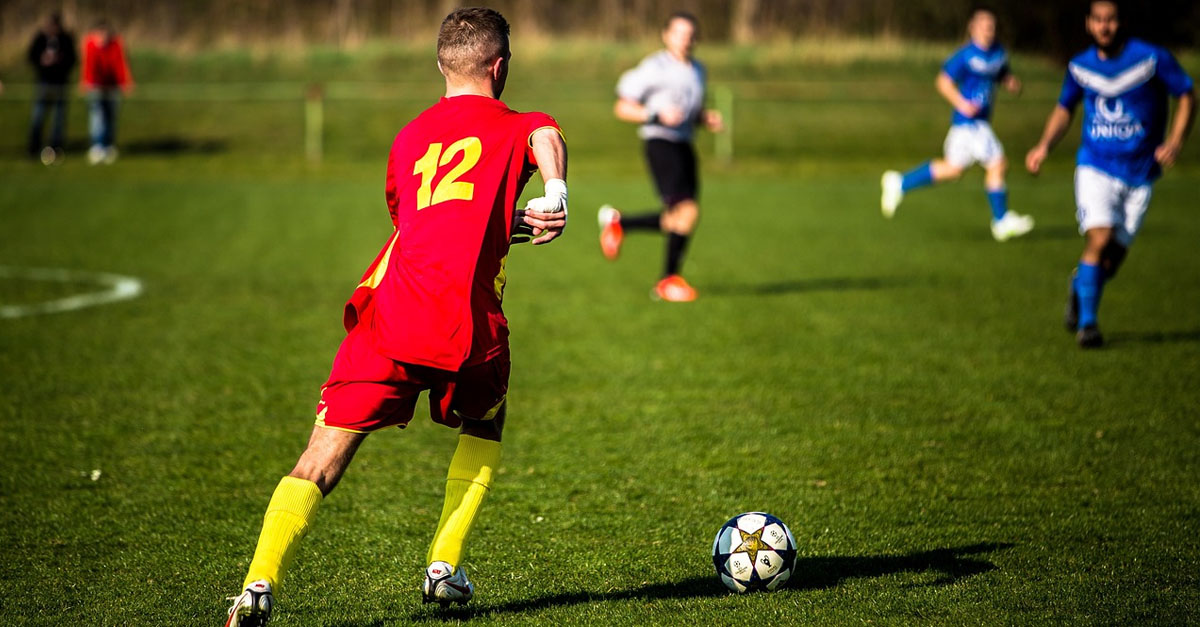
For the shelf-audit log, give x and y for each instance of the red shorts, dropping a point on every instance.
(367, 391)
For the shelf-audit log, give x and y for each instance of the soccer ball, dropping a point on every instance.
(754, 551)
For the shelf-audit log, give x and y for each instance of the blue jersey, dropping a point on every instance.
(975, 72)
(1124, 107)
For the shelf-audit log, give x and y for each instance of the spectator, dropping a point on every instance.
(52, 55)
(105, 76)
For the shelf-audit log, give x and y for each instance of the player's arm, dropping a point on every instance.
(1009, 80)
(946, 87)
(628, 110)
(1012, 84)
(1056, 127)
(1185, 115)
(711, 119)
(548, 214)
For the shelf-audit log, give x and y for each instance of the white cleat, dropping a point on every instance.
(1011, 225)
(252, 608)
(893, 192)
(96, 154)
(445, 585)
(607, 215)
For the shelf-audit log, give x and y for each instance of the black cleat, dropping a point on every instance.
(1071, 317)
(1089, 337)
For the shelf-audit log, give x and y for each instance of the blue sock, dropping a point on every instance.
(919, 176)
(999, 201)
(1089, 282)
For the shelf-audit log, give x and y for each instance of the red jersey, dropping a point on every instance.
(104, 65)
(432, 296)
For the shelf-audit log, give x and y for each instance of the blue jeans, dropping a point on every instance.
(48, 96)
(102, 116)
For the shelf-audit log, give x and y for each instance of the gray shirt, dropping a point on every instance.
(661, 80)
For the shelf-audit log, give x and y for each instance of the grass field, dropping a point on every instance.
(901, 393)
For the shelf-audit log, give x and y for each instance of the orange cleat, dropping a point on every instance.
(611, 233)
(674, 289)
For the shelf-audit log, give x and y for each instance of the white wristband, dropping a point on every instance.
(555, 187)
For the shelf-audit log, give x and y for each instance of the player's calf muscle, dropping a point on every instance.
(326, 458)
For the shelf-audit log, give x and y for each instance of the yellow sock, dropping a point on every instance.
(468, 481)
(289, 514)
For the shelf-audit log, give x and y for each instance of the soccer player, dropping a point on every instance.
(427, 315)
(967, 81)
(664, 94)
(1123, 84)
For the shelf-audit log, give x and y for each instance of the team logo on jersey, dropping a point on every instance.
(979, 65)
(1111, 122)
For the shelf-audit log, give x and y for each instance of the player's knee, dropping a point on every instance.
(1097, 240)
(684, 216)
(946, 171)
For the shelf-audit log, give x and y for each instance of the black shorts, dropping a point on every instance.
(673, 166)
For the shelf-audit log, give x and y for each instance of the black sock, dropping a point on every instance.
(642, 221)
(676, 245)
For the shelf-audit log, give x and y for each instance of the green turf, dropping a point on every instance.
(900, 393)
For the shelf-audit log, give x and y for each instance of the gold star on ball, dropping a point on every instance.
(752, 544)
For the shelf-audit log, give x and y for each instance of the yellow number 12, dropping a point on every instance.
(449, 188)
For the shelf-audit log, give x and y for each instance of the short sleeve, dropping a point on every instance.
(534, 122)
(1072, 92)
(1172, 75)
(956, 66)
(635, 84)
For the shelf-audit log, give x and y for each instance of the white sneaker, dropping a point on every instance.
(893, 192)
(96, 154)
(110, 155)
(444, 584)
(252, 608)
(49, 156)
(1011, 225)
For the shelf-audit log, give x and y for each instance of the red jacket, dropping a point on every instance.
(104, 65)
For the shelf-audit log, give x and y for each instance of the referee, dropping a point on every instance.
(664, 94)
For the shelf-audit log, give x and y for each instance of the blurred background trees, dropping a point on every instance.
(1049, 26)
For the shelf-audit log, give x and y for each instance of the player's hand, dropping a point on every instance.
(714, 121)
(670, 115)
(1013, 84)
(968, 108)
(1167, 153)
(548, 214)
(1035, 158)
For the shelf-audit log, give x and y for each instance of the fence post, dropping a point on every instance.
(723, 143)
(314, 122)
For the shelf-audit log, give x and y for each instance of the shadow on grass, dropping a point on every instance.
(169, 146)
(826, 284)
(1153, 337)
(1049, 233)
(173, 146)
(812, 573)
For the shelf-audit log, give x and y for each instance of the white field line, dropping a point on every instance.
(117, 288)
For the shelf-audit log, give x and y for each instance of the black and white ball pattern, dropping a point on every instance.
(754, 551)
